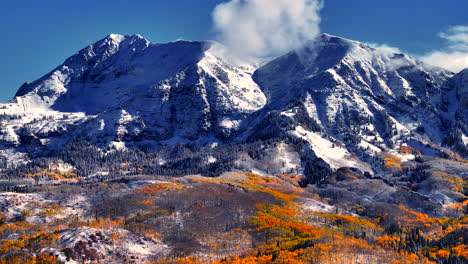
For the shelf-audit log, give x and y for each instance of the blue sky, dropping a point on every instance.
(36, 36)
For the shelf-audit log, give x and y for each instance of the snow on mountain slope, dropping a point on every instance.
(363, 99)
(335, 156)
(118, 70)
(344, 100)
(123, 88)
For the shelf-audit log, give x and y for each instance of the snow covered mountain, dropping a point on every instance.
(341, 92)
(343, 101)
(122, 89)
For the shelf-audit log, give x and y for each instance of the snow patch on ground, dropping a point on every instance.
(331, 153)
(318, 206)
(17, 204)
(113, 244)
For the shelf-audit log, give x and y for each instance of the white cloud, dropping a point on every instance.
(384, 48)
(394, 62)
(261, 28)
(454, 60)
(455, 56)
(457, 36)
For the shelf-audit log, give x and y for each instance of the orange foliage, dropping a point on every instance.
(347, 219)
(253, 178)
(41, 258)
(290, 178)
(265, 259)
(347, 250)
(57, 176)
(21, 249)
(142, 217)
(159, 187)
(455, 183)
(457, 157)
(279, 223)
(115, 236)
(105, 223)
(353, 250)
(187, 260)
(411, 258)
(417, 219)
(146, 202)
(387, 241)
(391, 162)
(253, 183)
(44, 258)
(459, 206)
(461, 250)
(442, 253)
(15, 226)
(406, 150)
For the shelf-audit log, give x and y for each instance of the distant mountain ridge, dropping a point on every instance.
(345, 102)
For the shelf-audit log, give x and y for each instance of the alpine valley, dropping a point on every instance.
(337, 152)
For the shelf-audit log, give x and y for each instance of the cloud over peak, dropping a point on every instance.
(261, 28)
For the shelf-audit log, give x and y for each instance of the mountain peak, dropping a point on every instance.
(116, 37)
(330, 37)
(113, 42)
(325, 40)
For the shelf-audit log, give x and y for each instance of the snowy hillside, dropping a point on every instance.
(123, 89)
(363, 99)
(341, 101)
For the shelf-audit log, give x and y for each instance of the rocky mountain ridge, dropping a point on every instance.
(341, 101)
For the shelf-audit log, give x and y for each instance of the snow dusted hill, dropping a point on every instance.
(342, 100)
